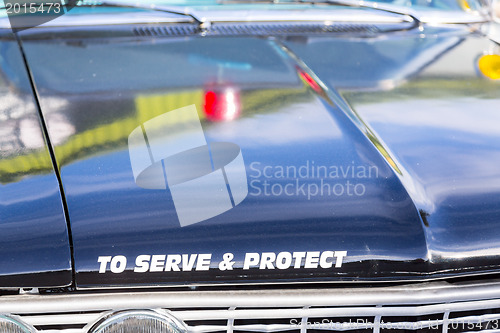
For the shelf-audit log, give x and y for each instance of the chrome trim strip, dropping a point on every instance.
(413, 294)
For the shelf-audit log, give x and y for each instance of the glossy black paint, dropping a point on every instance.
(34, 245)
(287, 120)
(439, 127)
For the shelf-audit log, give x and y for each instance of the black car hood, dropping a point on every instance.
(399, 182)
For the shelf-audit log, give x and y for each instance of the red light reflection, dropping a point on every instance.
(310, 81)
(222, 103)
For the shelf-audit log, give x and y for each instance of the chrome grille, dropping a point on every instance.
(433, 307)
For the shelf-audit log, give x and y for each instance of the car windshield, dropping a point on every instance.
(416, 11)
(445, 5)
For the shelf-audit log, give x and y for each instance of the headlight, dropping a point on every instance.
(139, 321)
(12, 325)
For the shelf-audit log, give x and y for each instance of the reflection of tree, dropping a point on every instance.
(428, 89)
(418, 91)
(114, 135)
(14, 115)
(70, 147)
(22, 148)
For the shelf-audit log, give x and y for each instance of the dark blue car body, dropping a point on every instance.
(380, 143)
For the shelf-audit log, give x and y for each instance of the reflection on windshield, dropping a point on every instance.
(451, 5)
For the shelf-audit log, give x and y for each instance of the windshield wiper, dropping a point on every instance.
(371, 5)
(347, 3)
(202, 22)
